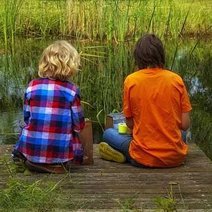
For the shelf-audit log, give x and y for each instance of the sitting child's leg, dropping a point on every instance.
(184, 135)
(109, 153)
(115, 147)
(46, 168)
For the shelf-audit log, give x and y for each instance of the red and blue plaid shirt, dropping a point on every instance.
(53, 116)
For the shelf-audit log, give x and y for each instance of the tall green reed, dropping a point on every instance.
(10, 13)
(108, 20)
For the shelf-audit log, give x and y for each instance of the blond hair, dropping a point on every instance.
(60, 61)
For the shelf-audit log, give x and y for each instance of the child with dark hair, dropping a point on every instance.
(156, 107)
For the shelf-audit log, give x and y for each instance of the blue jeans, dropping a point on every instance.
(118, 141)
(122, 142)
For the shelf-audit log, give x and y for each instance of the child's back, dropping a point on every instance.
(154, 96)
(52, 110)
(49, 113)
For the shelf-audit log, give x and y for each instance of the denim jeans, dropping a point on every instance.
(121, 142)
(118, 141)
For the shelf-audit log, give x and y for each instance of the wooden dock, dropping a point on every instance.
(109, 186)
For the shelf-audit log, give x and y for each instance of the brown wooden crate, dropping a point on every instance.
(86, 136)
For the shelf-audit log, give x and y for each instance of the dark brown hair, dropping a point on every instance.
(149, 52)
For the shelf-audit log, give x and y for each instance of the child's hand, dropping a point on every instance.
(129, 131)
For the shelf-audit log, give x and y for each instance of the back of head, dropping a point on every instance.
(149, 52)
(60, 61)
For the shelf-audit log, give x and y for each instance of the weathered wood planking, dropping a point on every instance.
(109, 185)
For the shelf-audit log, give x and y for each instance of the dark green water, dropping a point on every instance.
(104, 67)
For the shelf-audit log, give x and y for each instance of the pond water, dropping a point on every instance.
(104, 67)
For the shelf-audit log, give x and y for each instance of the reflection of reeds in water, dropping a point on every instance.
(16, 69)
(116, 20)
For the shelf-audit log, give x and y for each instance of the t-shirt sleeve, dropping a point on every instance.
(185, 101)
(126, 99)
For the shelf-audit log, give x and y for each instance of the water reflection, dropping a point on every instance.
(196, 86)
(10, 126)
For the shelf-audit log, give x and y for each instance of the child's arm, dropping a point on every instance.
(186, 108)
(129, 122)
(26, 109)
(78, 120)
(78, 123)
(185, 124)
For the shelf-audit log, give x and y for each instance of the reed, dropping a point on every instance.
(201, 128)
(103, 69)
(110, 20)
(10, 12)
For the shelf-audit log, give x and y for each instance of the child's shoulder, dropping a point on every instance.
(46, 84)
(67, 86)
(46, 81)
(38, 81)
(34, 82)
(172, 74)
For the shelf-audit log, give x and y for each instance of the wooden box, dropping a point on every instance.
(113, 119)
(86, 137)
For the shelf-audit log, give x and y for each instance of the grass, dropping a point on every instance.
(201, 130)
(129, 204)
(35, 192)
(168, 203)
(110, 20)
(19, 194)
(22, 194)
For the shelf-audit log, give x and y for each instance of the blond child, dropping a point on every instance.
(53, 114)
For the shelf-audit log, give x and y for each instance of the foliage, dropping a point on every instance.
(128, 204)
(22, 195)
(111, 20)
(201, 130)
(168, 203)
(37, 195)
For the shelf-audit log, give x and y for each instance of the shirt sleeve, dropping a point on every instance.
(185, 101)
(26, 109)
(78, 123)
(77, 149)
(78, 120)
(126, 100)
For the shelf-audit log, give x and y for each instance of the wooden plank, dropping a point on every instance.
(107, 185)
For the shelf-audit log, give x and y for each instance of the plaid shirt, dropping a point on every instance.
(53, 116)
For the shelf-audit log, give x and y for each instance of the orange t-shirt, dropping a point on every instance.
(155, 99)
